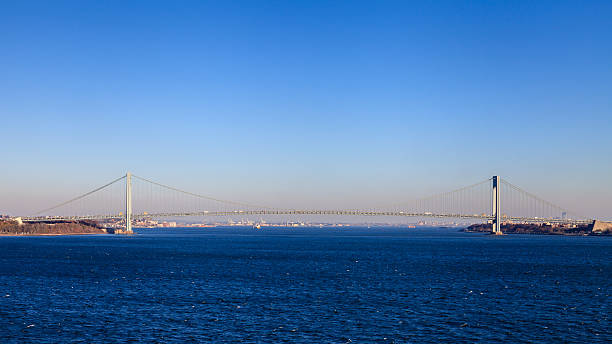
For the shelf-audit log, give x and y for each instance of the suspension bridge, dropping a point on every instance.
(131, 197)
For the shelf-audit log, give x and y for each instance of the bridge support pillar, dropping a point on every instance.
(128, 203)
(496, 209)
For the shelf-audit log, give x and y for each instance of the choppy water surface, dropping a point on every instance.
(310, 286)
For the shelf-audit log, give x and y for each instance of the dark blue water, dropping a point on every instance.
(305, 286)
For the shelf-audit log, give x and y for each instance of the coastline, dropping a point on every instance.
(45, 234)
(541, 229)
(15, 228)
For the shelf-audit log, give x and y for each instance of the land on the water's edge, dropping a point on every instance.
(84, 227)
(596, 228)
(11, 228)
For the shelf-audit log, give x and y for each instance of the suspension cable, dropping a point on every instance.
(432, 197)
(201, 196)
(536, 198)
(81, 196)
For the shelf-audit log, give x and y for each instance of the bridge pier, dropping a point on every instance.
(496, 209)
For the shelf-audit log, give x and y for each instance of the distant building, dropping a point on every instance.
(601, 226)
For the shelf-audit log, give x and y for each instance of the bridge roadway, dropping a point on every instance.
(307, 212)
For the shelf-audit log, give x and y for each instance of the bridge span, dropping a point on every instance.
(481, 201)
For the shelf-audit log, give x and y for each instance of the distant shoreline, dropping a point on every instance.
(539, 229)
(15, 228)
(44, 234)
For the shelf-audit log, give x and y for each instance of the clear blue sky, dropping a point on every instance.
(307, 103)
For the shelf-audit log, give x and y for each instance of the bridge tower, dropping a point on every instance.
(128, 203)
(496, 209)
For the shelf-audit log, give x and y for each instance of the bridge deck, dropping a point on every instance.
(308, 212)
